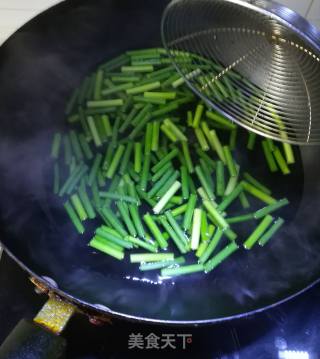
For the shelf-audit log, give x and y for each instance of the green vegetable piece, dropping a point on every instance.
(160, 95)
(162, 171)
(244, 200)
(139, 68)
(242, 218)
(155, 136)
(163, 110)
(98, 85)
(94, 132)
(116, 62)
(220, 179)
(73, 180)
(148, 139)
(165, 160)
(111, 235)
(150, 257)
(271, 208)
(230, 162)
(175, 130)
(95, 194)
(151, 247)
(251, 141)
(106, 125)
(254, 191)
(201, 249)
(204, 182)
(56, 145)
(124, 213)
(129, 118)
(184, 182)
(105, 247)
(85, 147)
(230, 234)
(211, 246)
(168, 184)
(201, 139)
(258, 232)
(288, 151)
(114, 221)
(220, 257)
(125, 79)
(218, 218)
(198, 115)
(105, 103)
(115, 162)
(181, 80)
(167, 131)
(281, 161)
(56, 179)
(111, 90)
(154, 229)
(86, 201)
(94, 169)
(76, 145)
(176, 227)
(264, 239)
(73, 100)
(67, 150)
(143, 88)
(173, 272)
(196, 226)
(173, 235)
(138, 129)
(189, 212)
(166, 197)
(161, 264)
(221, 120)
(204, 227)
(145, 173)
(133, 209)
(126, 158)
(256, 183)
(159, 184)
(271, 144)
(269, 157)
(179, 210)
(137, 156)
(118, 197)
(186, 154)
(210, 163)
(214, 141)
(74, 217)
(189, 118)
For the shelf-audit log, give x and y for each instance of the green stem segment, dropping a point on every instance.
(173, 272)
(258, 232)
(154, 229)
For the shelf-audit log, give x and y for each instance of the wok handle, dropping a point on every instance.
(29, 340)
(39, 339)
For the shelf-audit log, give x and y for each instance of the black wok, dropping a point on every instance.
(40, 65)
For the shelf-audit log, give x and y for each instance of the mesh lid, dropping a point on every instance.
(256, 62)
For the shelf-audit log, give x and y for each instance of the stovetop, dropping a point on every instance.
(289, 331)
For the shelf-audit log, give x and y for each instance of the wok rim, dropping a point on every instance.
(121, 315)
(129, 317)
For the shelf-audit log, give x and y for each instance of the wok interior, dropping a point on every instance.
(39, 67)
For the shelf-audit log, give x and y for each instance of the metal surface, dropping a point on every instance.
(53, 49)
(268, 44)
